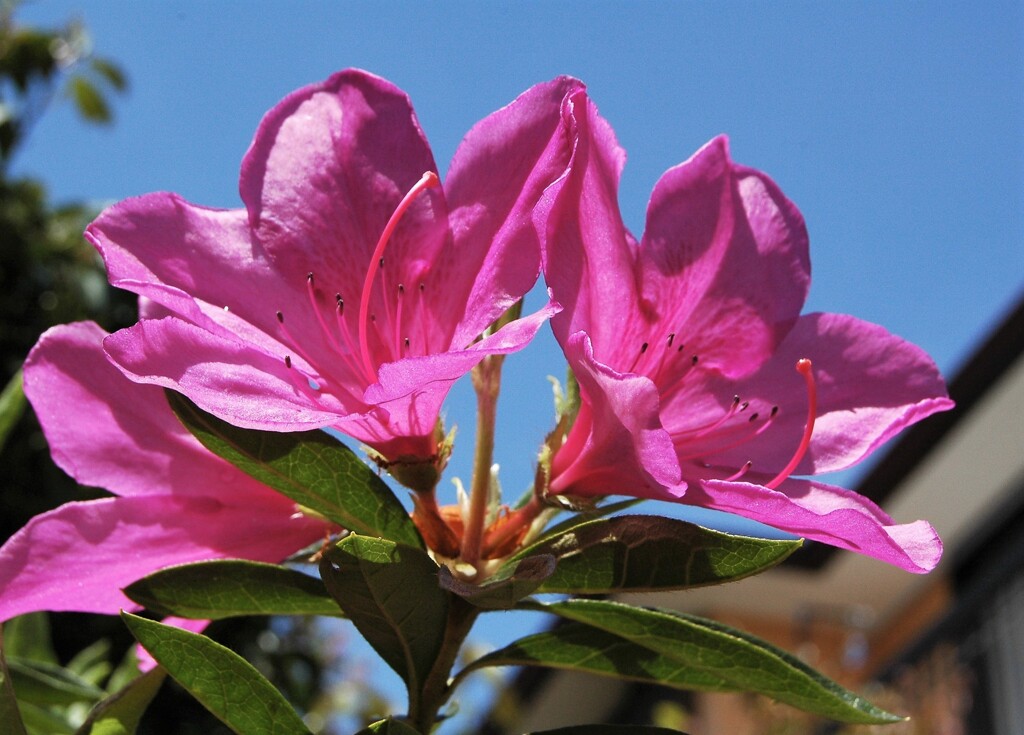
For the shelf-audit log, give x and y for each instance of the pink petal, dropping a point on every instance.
(496, 177)
(196, 262)
(871, 385)
(78, 556)
(828, 514)
(223, 376)
(106, 431)
(723, 261)
(326, 170)
(589, 259)
(617, 445)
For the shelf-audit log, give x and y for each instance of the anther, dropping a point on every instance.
(753, 417)
(643, 348)
(288, 361)
(671, 337)
(803, 367)
(695, 360)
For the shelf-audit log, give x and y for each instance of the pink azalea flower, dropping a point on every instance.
(686, 348)
(351, 290)
(175, 501)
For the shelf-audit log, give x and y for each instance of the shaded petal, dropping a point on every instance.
(324, 173)
(723, 262)
(871, 385)
(617, 445)
(106, 431)
(226, 377)
(828, 514)
(79, 556)
(495, 179)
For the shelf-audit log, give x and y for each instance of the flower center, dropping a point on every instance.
(354, 350)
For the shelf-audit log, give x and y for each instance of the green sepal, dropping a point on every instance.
(311, 467)
(223, 682)
(212, 590)
(390, 592)
(638, 553)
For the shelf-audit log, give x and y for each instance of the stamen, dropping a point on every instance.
(397, 325)
(803, 367)
(311, 292)
(743, 470)
(300, 381)
(429, 179)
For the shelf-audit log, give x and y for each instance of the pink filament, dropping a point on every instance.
(803, 367)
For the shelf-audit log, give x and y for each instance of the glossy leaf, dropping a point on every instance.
(9, 713)
(639, 553)
(222, 681)
(389, 727)
(738, 660)
(120, 713)
(311, 467)
(391, 594)
(501, 592)
(229, 588)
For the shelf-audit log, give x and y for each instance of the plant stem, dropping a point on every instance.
(436, 687)
(487, 382)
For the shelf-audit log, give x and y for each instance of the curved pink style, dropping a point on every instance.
(345, 294)
(685, 345)
(175, 501)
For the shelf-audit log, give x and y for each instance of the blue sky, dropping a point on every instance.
(897, 128)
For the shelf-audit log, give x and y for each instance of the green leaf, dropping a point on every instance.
(642, 553)
(609, 730)
(47, 684)
(311, 467)
(109, 71)
(120, 713)
(92, 663)
(738, 660)
(223, 682)
(12, 406)
(42, 721)
(230, 588)
(389, 727)
(509, 585)
(9, 713)
(28, 637)
(578, 647)
(88, 100)
(391, 594)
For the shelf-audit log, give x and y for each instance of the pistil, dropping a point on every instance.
(803, 367)
(428, 180)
